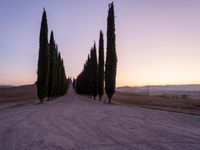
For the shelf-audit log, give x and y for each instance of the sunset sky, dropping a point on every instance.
(158, 41)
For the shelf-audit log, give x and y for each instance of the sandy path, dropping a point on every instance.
(76, 123)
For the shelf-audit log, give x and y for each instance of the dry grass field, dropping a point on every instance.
(191, 106)
(26, 94)
(18, 95)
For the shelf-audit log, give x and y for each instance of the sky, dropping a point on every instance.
(157, 41)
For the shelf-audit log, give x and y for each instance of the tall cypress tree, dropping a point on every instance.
(43, 60)
(90, 74)
(101, 66)
(63, 78)
(94, 72)
(59, 75)
(111, 56)
(55, 73)
(52, 66)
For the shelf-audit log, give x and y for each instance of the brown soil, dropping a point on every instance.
(190, 106)
(27, 94)
(18, 95)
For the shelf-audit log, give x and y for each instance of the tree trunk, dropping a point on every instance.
(41, 101)
(109, 101)
(100, 98)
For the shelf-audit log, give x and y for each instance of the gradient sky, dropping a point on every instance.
(158, 41)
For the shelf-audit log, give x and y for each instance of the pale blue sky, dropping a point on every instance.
(158, 41)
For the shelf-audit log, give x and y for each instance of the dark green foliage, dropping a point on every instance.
(74, 83)
(101, 66)
(43, 61)
(56, 73)
(59, 76)
(94, 71)
(91, 80)
(84, 79)
(51, 81)
(111, 56)
(51, 91)
(62, 82)
(86, 82)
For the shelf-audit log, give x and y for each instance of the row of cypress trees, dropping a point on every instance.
(51, 78)
(86, 82)
(58, 83)
(91, 80)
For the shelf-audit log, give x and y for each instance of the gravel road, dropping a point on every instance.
(77, 123)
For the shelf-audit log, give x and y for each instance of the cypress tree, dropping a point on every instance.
(56, 73)
(59, 75)
(85, 82)
(90, 74)
(94, 72)
(52, 66)
(101, 66)
(43, 60)
(64, 80)
(51, 78)
(74, 83)
(111, 56)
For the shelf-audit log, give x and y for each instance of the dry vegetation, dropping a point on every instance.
(27, 94)
(191, 106)
(18, 95)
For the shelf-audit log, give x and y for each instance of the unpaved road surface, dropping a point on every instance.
(75, 123)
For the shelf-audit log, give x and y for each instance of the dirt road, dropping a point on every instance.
(77, 123)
